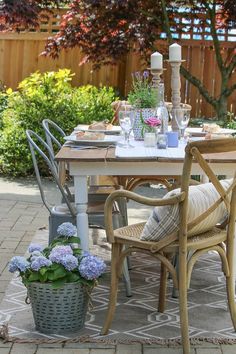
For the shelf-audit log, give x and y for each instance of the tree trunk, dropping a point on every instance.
(221, 108)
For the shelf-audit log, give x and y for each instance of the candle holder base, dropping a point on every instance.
(156, 76)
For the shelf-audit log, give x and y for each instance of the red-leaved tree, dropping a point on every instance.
(18, 14)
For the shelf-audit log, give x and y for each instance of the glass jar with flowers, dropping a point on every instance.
(150, 125)
(59, 280)
(143, 99)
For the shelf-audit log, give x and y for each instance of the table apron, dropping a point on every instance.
(143, 168)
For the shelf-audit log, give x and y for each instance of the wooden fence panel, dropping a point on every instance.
(20, 56)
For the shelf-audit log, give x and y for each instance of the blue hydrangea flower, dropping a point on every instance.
(59, 252)
(70, 262)
(84, 254)
(40, 262)
(18, 263)
(91, 267)
(35, 247)
(67, 229)
(34, 255)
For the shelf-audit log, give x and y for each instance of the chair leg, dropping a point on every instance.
(175, 292)
(230, 285)
(126, 277)
(162, 289)
(116, 249)
(50, 230)
(118, 221)
(122, 204)
(183, 304)
(129, 263)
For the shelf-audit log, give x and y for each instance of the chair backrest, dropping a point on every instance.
(201, 153)
(34, 141)
(49, 126)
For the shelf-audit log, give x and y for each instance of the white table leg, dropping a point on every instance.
(81, 202)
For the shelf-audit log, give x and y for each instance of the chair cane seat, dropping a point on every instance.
(131, 235)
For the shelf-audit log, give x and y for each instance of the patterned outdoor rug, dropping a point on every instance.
(136, 318)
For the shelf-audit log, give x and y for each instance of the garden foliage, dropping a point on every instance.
(48, 95)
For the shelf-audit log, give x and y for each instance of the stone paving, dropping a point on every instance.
(21, 214)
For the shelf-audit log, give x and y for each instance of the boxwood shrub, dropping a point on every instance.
(48, 95)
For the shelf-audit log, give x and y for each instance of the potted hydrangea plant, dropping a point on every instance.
(59, 280)
(144, 99)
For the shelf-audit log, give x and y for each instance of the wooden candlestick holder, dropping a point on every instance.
(175, 88)
(156, 76)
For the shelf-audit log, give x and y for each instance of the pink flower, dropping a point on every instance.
(152, 121)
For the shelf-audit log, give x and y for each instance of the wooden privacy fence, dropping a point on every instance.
(20, 56)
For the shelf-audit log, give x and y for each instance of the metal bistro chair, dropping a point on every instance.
(96, 193)
(66, 212)
(189, 247)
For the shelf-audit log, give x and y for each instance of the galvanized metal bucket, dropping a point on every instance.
(60, 310)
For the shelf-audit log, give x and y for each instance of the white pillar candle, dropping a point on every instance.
(175, 52)
(157, 61)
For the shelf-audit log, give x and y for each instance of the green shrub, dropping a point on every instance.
(3, 103)
(94, 104)
(49, 95)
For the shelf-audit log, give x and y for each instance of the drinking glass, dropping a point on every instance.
(181, 116)
(126, 120)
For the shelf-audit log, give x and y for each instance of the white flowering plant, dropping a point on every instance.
(61, 262)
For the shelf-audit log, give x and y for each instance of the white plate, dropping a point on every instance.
(108, 140)
(196, 138)
(199, 132)
(115, 129)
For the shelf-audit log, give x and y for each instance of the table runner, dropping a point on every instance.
(140, 151)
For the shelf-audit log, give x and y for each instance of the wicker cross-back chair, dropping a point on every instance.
(188, 248)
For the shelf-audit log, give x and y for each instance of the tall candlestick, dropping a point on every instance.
(175, 62)
(175, 89)
(175, 52)
(157, 61)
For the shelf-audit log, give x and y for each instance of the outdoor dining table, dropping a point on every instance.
(103, 161)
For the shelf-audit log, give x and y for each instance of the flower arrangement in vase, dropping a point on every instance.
(59, 279)
(143, 99)
(150, 125)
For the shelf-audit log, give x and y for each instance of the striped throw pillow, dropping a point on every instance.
(164, 220)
